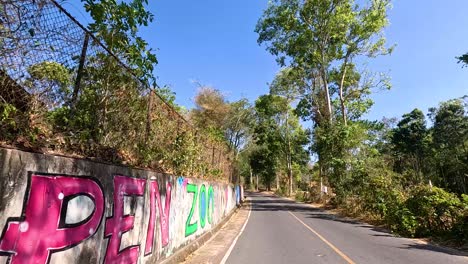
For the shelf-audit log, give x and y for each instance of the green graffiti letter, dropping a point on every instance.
(191, 228)
(202, 206)
(210, 204)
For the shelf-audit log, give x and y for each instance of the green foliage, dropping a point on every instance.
(375, 169)
(113, 115)
(278, 131)
(337, 147)
(288, 83)
(117, 24)
(303, 196)
(264, 163)
(238, 123)
(169, 96)
(410, 133)
(463, 59)
(330, 29)
(281, 191)
(8, 120)
(435, 210)
(52, 71)
(7, 113)
(50, 82)
(321, 39)
(450, 144)
(365, 183)
(411, 147)
(460, 229)
(402, 221)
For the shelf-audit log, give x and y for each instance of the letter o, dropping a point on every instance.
(203, 202)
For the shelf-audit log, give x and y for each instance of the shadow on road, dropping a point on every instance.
(434, 248)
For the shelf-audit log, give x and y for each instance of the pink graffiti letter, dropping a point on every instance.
(163, 216)
(43, 229)
(119, 224)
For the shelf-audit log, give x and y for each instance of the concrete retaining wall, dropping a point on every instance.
(63, 210)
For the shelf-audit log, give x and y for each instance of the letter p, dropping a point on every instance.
(40, 232)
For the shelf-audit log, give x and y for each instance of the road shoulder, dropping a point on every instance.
(214, 250)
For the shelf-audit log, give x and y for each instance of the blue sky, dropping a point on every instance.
(214, 42)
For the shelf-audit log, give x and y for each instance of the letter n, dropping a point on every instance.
(163, 216)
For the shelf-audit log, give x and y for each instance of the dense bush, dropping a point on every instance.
(430, 211)
(401, 221)
(302, 196)
(421, 211)
(460, 229)
(435, 210)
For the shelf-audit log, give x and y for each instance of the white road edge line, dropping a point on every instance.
(226, 256)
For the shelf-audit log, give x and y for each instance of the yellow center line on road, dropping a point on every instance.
(343, 255)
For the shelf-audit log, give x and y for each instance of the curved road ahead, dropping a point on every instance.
(282, 231)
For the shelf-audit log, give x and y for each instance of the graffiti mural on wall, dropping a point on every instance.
(205, 207)
(164, 212)
(43, 227)
(120, 223)
(42, 230)
(238, 194)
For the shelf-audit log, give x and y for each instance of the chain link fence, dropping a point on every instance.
(64, 92)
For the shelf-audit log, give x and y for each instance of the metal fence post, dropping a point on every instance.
(148, 116)
(79, 73)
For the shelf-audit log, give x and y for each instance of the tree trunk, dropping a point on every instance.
(290, 177)
(327, 94)
(257, 183)
(277, 181)
(289, 154)
(235, 162)
(251, 178)
(321, 181)
(330, 118)
(343, 108)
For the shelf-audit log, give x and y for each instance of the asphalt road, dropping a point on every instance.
(283, 231)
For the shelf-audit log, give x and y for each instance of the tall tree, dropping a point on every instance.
(450, 139)
(410, 142)
(321, 35)
(264, 162)
(287, 85)
(237, 131)
(211, 111)
(278, 129)
(238, 123)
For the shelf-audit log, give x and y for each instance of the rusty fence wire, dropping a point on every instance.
(62, 91)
